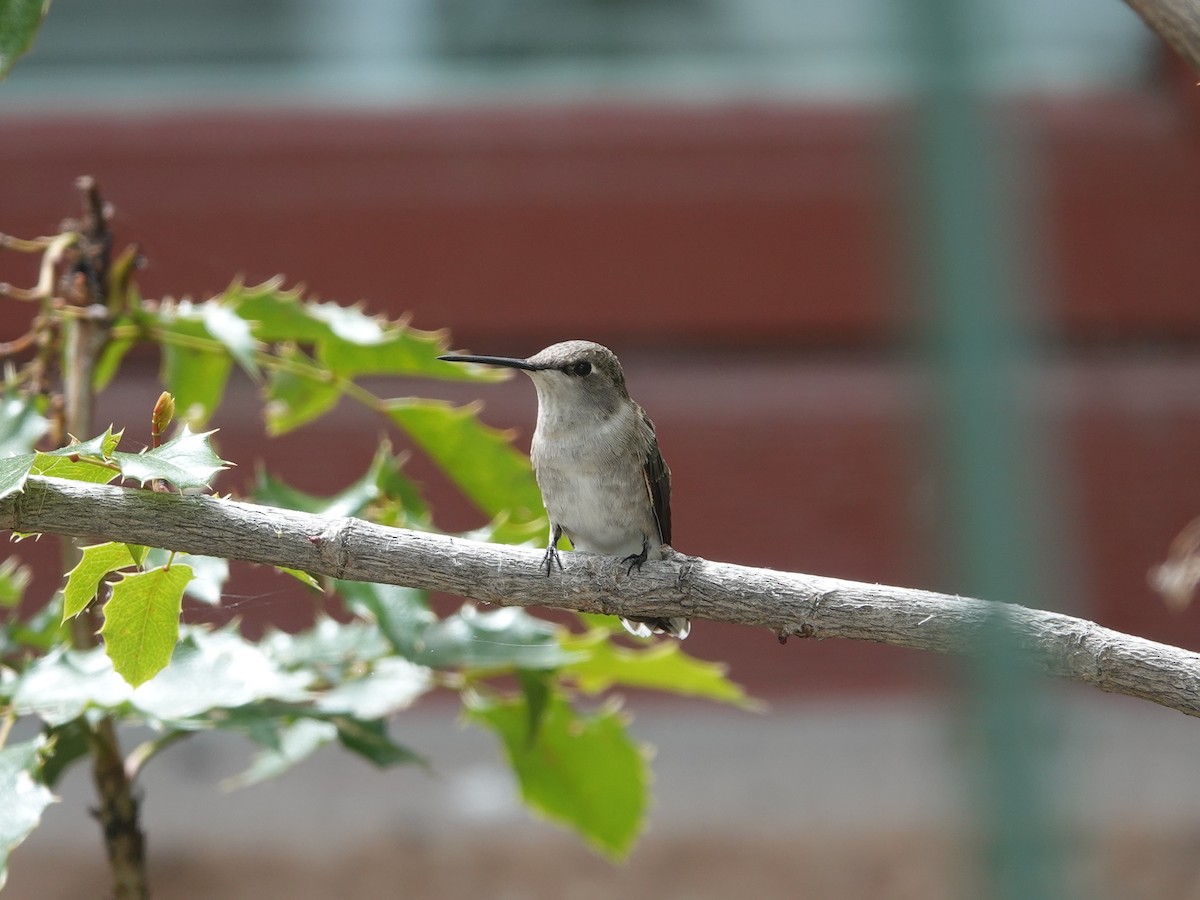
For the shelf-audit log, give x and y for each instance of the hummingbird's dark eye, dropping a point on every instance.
(581, 368)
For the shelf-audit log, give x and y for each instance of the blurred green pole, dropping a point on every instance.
(979, 354)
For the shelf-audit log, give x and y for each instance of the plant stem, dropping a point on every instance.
(84, 337)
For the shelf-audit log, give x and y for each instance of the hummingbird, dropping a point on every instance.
(595, 456)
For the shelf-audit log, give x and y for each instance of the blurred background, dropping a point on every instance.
(753, 204)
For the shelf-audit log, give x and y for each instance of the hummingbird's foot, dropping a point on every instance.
(550, 560)
(637, 559)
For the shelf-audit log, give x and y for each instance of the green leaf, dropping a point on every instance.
(111, 358)
(382, 487)
(13, 472)
(61, 685)
(275, 314)
(66, 744)
(231, 330)
(391, 685)
(402, 614)
(83, 581)
(25, 797)
(303, 577)
(141, 621)
(195, 365)
(19, 22)
(21, 425)
(664, 666)
(296, 396)
(14, 578)
(209, 573)
(214, 672)
(40, 631)
(393, 349)
(292, 744)
(370, 741)
(186, 461)
(581, 771)
(327, 647)
(481, 460)
(88, 460)
(503, 638)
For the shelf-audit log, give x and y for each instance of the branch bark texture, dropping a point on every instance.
(789, 604)
(1176, 21)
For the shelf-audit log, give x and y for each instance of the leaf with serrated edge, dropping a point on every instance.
(141, 621)
(61, 685)
(502, 638)
(84, 580)
(231, 330)
(391, 685)
(660, 667)
(214, 672)
(370, 740)
(581, 771)
(481, 460)
(295, 397)
(14, 470)
(292, 744)
(25, 797)
(186, 461)
(209, 573)
(21, 425)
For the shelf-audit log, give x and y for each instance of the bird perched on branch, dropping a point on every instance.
(596, 458)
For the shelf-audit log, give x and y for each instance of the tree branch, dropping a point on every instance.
(1176, 21)
(787, 603)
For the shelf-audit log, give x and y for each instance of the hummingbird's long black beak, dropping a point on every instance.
(506, 361)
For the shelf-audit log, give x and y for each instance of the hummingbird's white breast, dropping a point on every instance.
(589, 466)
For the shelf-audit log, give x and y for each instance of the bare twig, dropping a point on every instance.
(784, 602)
(1176, 21)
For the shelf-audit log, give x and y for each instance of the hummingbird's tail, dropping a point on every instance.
(644, 626)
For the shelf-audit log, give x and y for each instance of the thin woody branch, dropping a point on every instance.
(786, 603)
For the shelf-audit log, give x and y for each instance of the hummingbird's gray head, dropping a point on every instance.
(572, 375)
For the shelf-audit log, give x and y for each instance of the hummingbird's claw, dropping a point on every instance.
(636, 560)
(550, 560)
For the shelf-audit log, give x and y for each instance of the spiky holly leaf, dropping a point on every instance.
(664, 666)
(83, 581)
(370, 740)
(288, 745)
(186, 461)
(63, 684)
(209, 573)
(296, 393)
(21, 424)
(481, 460)
(224, 324)
(195, 366)
(401, 614)
(501, 639)
(384, 486)
(391, 685)
(582, 771)
(25, 797)
(14, 470)
(141, 621)
(80, 461)
(89, 460)
(214, 673)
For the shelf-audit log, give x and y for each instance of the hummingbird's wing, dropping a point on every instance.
(658, 484)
